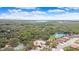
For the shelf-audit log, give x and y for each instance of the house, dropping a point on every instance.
(67, 38)
(74, 46)
(38, 43)
(77, 41)
(60, 40)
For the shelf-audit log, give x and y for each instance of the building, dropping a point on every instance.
(38, 43)
(74, 46)
(59, 35)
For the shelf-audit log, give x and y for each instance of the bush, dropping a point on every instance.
(53, 44)
(29, 45)
(3, 42)
(13, 42)
(68, 48)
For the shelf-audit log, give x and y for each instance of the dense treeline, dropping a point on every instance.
(15, 33)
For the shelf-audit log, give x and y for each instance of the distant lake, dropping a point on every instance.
(40, 21)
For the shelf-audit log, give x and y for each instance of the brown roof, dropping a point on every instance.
(77, 41)
(59, 40)
(66, 38)
(74, 46)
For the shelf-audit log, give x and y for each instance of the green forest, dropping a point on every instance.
(24, 32)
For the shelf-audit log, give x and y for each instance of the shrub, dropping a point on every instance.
(68, 48)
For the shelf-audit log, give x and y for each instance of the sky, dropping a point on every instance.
(39, 13)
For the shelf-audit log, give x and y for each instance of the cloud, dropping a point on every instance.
(19, 14)
(38, 15)
(14, 10)
(69, 8)
(56, 11)
(27, 8)
(75, 8)
(67, 16)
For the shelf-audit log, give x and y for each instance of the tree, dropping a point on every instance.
(29, 46)
(13, 42)
(53, 44)
(3, 42)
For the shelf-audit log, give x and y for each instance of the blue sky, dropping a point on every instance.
(39, 13)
